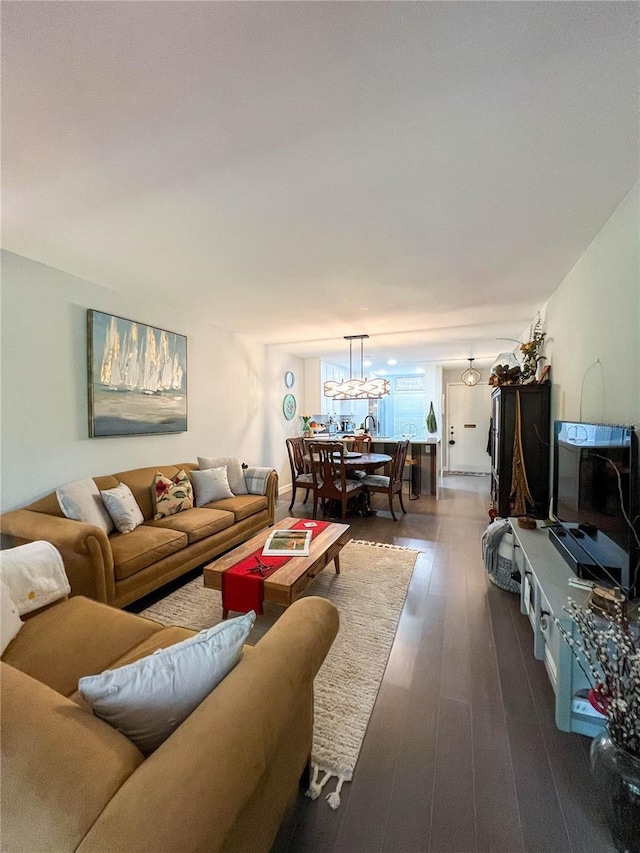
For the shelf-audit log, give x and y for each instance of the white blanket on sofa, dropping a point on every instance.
(34, 575)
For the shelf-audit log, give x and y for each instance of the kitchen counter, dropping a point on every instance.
(376, 439)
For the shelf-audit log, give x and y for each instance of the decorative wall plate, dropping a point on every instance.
(289, 406)
(289, 379)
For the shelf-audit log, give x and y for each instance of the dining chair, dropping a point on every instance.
(361, 444)
(300, 476)
(390, 484)
(330, 482)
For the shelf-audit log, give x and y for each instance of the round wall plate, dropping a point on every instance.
(289, 379)
(289, 406)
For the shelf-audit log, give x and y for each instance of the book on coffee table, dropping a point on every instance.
(283, 543)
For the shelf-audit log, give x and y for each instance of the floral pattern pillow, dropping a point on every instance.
(171, 495)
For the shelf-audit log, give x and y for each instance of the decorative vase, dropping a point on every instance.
(617, 774)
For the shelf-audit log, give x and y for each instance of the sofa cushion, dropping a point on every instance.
(140, 481)
(242, 506)
(235, 474)
(73, 638)
(160, 640)
(197, 523)
(60, 766)
(211, 485)
(122, 507)
(147, 700)
(171, 494)
(143, 546)
(81, 501)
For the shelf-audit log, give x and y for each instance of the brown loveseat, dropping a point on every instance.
(221, 782)
(120, 568)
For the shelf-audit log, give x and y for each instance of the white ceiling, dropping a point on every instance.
(424, 172)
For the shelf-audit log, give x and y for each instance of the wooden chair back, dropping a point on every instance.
(394, 484)
(329, 475)
(295, 449)
(327, 467)
(361, 444)
(398, 461)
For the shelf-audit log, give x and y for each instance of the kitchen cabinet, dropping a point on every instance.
(535, 429)
(316, 373)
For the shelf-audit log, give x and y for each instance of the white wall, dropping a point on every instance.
(594, 315)
(235, 387)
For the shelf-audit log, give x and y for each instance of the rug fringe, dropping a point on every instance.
(384, 545)
(315, 787)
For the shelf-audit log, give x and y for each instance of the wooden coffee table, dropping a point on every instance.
(288, 582)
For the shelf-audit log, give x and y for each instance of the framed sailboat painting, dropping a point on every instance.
(137, 377)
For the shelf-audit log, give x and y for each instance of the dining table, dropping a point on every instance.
(361, 461)
(367, 462)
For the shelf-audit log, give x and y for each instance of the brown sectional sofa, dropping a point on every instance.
(120, 568)
(221, 782)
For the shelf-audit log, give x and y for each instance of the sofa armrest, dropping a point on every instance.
(85, 549)
(193, 789)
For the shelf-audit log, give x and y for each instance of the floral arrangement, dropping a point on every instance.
(531, 351)
(610, 647)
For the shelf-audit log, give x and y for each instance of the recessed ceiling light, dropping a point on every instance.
(419, 369)
(381, 372)
(392, 361)
(367, 362)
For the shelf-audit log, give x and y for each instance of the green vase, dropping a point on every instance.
(432, 424)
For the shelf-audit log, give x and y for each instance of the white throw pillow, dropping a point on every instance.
(10, 622)
(235, 474)
(80, 501)
(211, 485)
(122, 508)
(147, 700)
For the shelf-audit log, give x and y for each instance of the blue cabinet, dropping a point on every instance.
(543, 594)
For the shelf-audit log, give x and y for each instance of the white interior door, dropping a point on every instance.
(468, 414)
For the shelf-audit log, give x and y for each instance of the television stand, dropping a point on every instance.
(543, 594)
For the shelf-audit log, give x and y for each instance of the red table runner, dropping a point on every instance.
(242, 589)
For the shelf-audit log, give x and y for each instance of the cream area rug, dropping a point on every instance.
(369, 592)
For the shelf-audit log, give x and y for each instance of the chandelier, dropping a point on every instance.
(357, 389)
(471, 376)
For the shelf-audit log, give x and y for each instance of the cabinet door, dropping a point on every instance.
(313, 386)
(535, 442)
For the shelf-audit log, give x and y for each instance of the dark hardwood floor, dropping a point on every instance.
(462, 752)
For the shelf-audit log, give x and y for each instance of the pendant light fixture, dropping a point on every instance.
(471, 376)
(357, 389)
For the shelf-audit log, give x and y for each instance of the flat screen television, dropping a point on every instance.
(596, 502)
